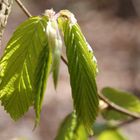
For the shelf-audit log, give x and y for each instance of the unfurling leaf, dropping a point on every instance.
(18, 66)
(82, 67)
(71, 129)
(123, 99)
(55, 43)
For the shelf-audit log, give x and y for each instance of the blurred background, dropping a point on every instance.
(112, 28)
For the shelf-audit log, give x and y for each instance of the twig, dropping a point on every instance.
(28, 14)
(126, 122)
(118, 108)
(110, 104)
(23, 8)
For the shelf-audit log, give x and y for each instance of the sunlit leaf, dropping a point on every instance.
(41, 74)
(82, 67)
(111, 135)
(123, 99)
(71, 129)
(18, 66)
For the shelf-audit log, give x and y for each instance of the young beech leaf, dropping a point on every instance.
(55, 43)
(71, 129)
(82, 67)
(123, 99)
(18, 65)
(111, 135)
(41, 74)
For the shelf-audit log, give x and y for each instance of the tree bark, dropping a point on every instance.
(5, 9)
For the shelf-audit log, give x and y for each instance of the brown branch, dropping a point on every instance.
(118, 108)
(135, 116)
(127, 122)
(110, 104)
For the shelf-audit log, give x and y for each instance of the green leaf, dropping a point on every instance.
(123, 99)
(55, 43)
(18, 66)
(56, 65)
(82, 67)
(71, 129)
(41, 74)
(111, 135)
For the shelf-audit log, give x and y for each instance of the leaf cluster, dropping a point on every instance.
(33, 52)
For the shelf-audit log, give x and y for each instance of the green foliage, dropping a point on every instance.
(18, 66)
(56, 65)
(107, 131)
(41, 74)
(33, 52)
(123, 99)
(71, 129)
(111, 135)
(82, 68)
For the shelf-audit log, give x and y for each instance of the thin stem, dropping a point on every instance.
(110, 104)
(23, 8)
(134, 116)
(118, 108)
(127, 122)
